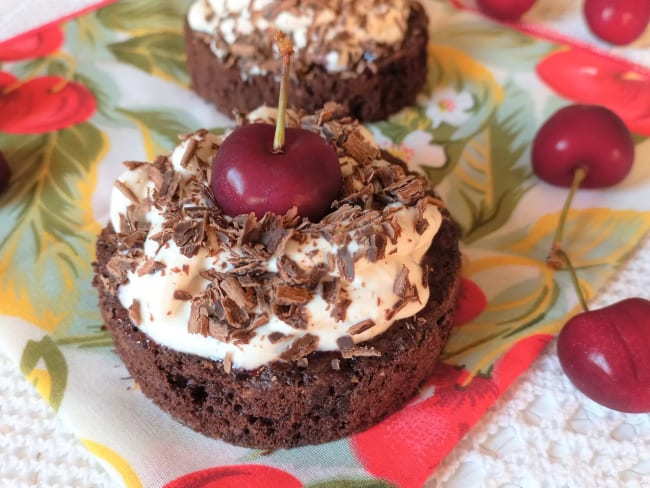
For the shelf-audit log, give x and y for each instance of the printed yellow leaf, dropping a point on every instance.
(464, 68)
(47, 224)
(17, 303)
(120, 464)
(593, 236)
(520, 293)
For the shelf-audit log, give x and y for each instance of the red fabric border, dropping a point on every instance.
(62, 19)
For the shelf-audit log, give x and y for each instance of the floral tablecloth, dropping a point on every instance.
(80, 97)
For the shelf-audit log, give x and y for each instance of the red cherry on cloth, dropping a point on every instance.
(590, 78)
(248, 177)
(238, 476)
(33, 44)
(506, 10)
(43, 104)
(588, 136)
(606, 354)
(617, 21)
(5, 173)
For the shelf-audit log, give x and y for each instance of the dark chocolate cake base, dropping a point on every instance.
(374, 94)
(284, 405)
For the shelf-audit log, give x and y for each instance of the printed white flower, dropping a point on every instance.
(425, 152)
(448, 106)
(417, 151)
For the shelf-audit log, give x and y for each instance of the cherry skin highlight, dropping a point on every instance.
(248, 177)
(588, 136)
(606, 354)
(617, 21)
(506, 10)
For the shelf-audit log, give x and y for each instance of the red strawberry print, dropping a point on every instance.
(471, 302)
(42, 104)
(33, 44)
(238, 476)
(405, 448)
(587, 77)
(518, 359)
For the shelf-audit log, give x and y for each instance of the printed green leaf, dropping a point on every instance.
(160, 129)
(528, 305)
(47, 229)
(453, 152)
(52, 380)
(350, 483)
(98, 337)
(404, 123)
(493, 172)
(160, 53)
(128, 15)
(103, 88)
(597, 239)
(487, 42)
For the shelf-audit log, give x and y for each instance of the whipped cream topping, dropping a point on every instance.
(340, 35)
(344, 283)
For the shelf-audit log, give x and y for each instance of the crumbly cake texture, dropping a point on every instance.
(307, 396)
(372, 89)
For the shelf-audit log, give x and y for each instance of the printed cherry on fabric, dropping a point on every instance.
(587, 77)
(32, 45)
(471, 302)
(42, 104)
(238, 476)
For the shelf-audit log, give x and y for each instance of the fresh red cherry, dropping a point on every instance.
(617, 21)
(583, 136)
(506, 10)
(248, 176)
(5, 173)
(262, 168)
(606, 354)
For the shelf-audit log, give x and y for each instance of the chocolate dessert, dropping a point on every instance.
(276, 331)
(370, 56)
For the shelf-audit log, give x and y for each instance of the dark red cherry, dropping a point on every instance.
(588, 136)
(617, 21)
(506, 10)
(606, 354)
(247, 176)
(5, 173)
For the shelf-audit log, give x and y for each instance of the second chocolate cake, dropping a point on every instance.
(369, 55)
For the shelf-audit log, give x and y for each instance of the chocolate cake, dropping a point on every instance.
(277, 332)
(370, 55)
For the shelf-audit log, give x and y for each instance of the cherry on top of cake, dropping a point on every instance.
(339, 35)
(262, 168)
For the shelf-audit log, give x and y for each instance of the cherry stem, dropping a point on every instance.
(285, 47)
(554, 259)
(574, 278)
(558, 257)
